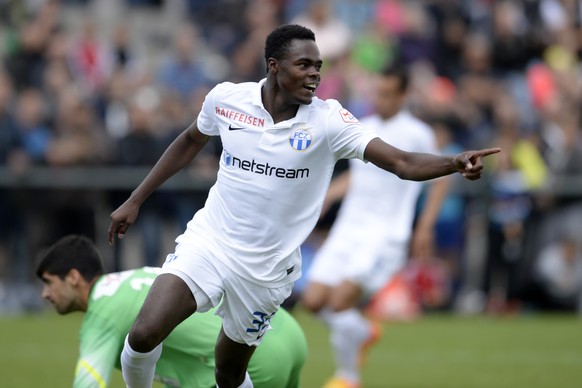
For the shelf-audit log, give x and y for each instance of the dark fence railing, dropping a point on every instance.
(124, 178)
(96, 178)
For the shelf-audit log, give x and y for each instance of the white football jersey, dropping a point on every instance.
(272, 178)
(381, 204)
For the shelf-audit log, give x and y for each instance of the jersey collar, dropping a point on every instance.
(257, 99)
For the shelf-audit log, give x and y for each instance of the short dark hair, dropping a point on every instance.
(399, 71)
(71, 252)
(280, 38)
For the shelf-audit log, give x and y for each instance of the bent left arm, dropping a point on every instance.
(421, 167)
(422, 244)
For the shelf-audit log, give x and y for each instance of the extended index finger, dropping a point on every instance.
(487, 151)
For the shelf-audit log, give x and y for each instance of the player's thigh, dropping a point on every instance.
(346, 295)
(329, 264)
(315, 296)
(377, 266)
(167, 304)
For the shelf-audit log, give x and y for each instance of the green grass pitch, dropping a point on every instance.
(435, 351)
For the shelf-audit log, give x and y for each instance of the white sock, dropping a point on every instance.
(349, 330)
(247, 383)
(138, 368)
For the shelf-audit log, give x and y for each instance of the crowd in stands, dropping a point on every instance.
(78, 91)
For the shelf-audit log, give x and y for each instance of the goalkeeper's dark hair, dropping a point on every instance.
(279, 40)
(71, 252)
(398, 70)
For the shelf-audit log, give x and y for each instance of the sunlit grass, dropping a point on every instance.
(435, 351)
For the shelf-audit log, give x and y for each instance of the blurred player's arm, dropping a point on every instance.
(337, 190)
(178, 154)
(98, 352)
(422, 245)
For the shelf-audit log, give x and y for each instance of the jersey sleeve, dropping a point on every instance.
(206, 122)
(98, 354)
(347, 137)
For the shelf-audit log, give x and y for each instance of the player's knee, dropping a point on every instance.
(338, 305)
(142, 338)
(312, 302)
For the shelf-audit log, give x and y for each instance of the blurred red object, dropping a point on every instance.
(430, 282)
(420, 284)
(541, 84)
(443, 90)
(395, 302)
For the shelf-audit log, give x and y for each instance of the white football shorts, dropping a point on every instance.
(365, 262)
(246, 307)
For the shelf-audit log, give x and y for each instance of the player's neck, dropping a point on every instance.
(85, 295)
(278, 108)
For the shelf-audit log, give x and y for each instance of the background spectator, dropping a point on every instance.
(558, 272)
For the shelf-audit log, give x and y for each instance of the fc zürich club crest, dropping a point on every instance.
(300, 140)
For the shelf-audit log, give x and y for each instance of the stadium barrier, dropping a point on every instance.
(127, 178)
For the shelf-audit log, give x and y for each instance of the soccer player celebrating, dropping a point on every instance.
(74, 280)
(369, 241)
(242, 249)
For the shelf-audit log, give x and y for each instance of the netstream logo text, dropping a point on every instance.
(265, 168)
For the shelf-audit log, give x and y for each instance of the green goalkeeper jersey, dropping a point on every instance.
(187, 358)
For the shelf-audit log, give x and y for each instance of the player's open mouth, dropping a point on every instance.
(311, 87)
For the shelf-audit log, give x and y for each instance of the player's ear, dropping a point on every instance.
(272, 65)
(74, 277)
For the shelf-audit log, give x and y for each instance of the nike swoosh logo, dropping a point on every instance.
(231, 128)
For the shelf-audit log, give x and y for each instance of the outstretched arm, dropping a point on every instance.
(421, 167)
(178, 154)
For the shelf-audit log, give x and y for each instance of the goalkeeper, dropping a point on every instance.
(74, 280)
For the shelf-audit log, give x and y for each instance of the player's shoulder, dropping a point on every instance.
(231, 89)
(411, 118)
(414, 122)
(112, 284)
(327, 105)
(236, 86)
(333, 109)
